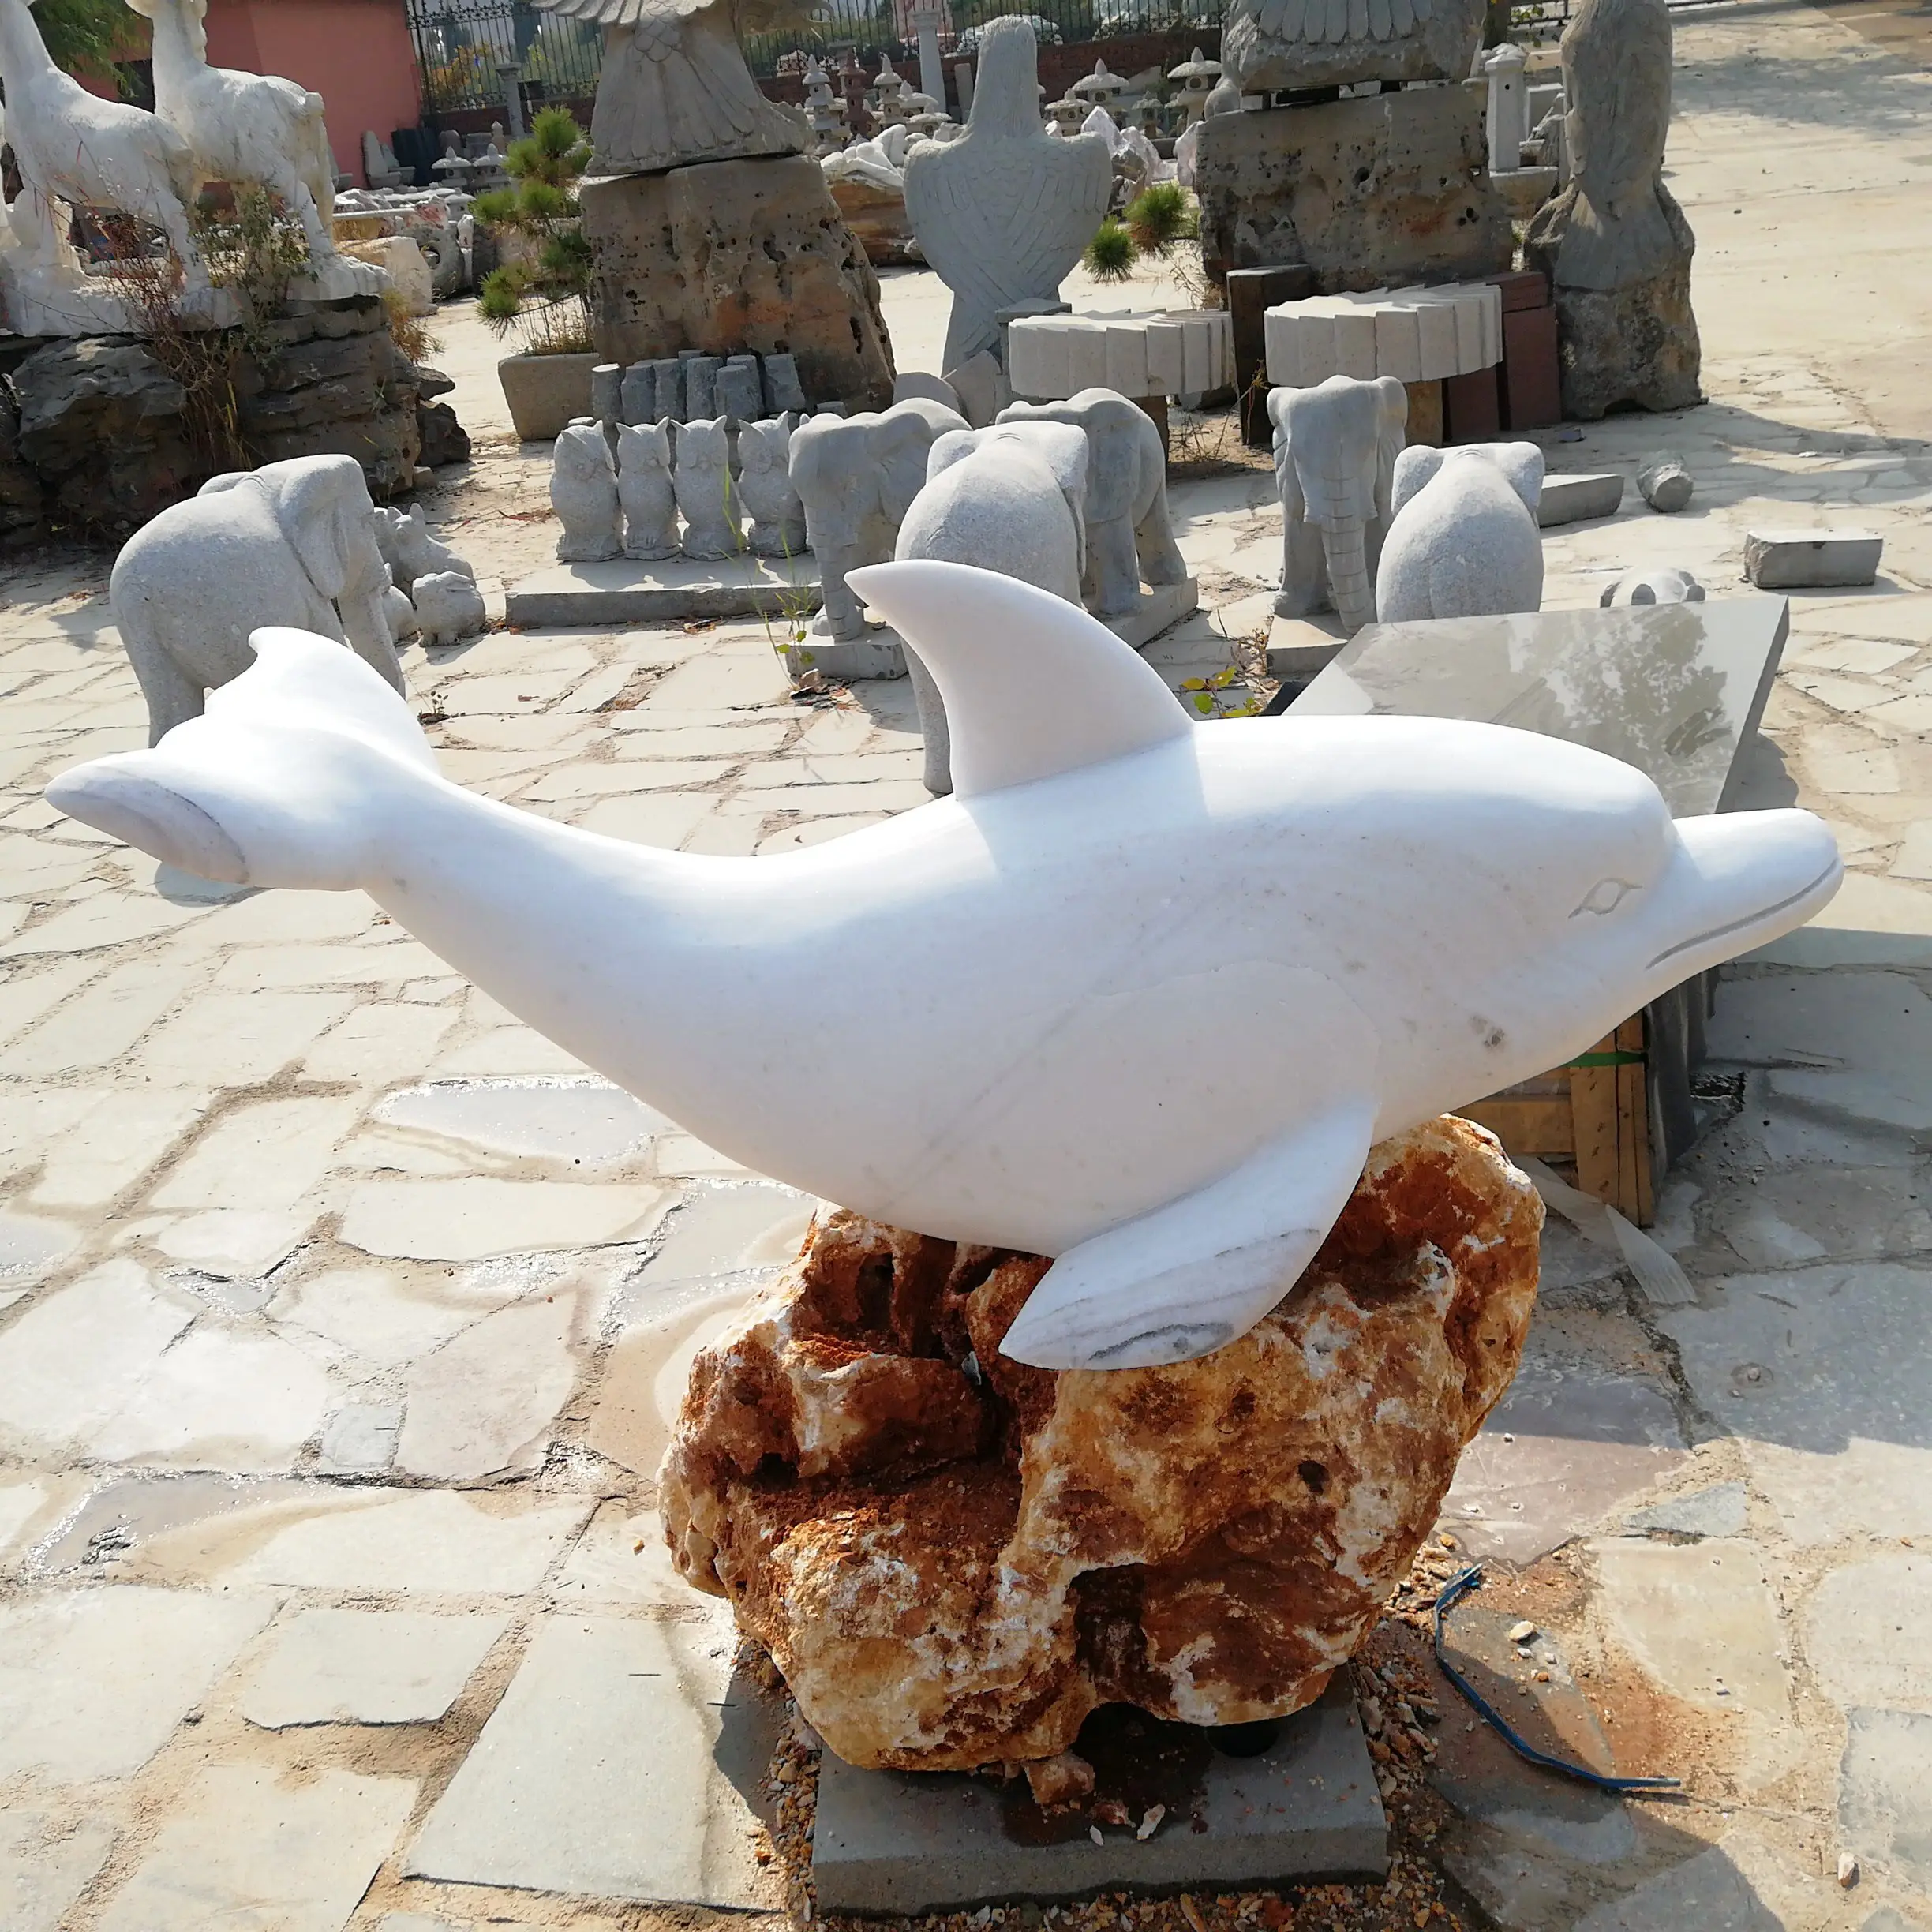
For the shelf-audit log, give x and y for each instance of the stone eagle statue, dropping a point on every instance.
(1003, 213)
(676, 88)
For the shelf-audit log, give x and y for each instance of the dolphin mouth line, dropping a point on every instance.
(1750, 918)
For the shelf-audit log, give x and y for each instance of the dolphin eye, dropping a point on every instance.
(1605, 896)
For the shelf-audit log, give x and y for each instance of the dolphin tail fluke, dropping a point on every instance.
(1196, 1275)
(290, 778)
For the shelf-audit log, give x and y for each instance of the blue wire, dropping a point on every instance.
(1457, 1587)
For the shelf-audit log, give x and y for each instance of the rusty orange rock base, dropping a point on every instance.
(954, 1558)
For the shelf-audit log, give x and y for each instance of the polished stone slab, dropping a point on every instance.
(1675, 689)
(624, 591)
(889, 1841)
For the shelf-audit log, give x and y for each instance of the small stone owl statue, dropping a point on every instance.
(765, 488)
(707, 492)
(583, 491)
(645, 490)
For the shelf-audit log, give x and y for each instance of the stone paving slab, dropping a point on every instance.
(368, 1667)
(623, 1763)
(889, 1841)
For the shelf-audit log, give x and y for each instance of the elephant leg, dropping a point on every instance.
(840, 616)
(1348, 575)
(1160, 559)
(172, 696)
(1304, 569)
(1113, 568)
(367, 629)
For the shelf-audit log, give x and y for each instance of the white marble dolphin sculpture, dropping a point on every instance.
(1139, 995)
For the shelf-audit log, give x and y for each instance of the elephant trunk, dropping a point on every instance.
(1343, 547)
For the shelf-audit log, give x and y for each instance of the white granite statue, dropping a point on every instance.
(1662, 583)
(1011, 499)
(583, 492)
(675, 88)
(764, 488)
(1129, 536)
(290, 544)
(707, 492)
(857, 477)
(74, 149)
(242, 127)
(399, 614)
(1003, 213)
(1008, 986)
(1463, 541)
(1335, 447)
(645, 491)
(411, 550)
(449, 607)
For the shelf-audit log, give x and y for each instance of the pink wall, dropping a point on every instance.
(356, 53)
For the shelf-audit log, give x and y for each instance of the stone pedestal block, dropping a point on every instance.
(725, 256)
(1370, 193)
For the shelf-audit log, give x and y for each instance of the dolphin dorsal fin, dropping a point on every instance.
(1033, 686)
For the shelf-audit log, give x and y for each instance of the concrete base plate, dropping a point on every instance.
(1162, 606)
(625, 591)
(890, 1841)
(877, 654)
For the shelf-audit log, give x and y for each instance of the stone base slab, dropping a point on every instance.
(1300, 649)
(1573, 499)
(1375, 193)
(1812, 559)
(624, 591)
(881, 654)
(892, 1841)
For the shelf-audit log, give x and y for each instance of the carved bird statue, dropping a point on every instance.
(1616, 69)
(1003, 213)
(676, 88)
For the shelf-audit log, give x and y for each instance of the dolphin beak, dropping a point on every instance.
(1738, 881)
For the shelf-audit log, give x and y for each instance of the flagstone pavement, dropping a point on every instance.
(341, 1314)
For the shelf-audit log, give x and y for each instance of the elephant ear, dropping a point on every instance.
(228, 480)
(1415, 468)
(1522, 464)
(901, 445)
(318, 513)
(1394, 436)
(953, 448)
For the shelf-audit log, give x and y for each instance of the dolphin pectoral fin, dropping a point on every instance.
(994, 645)
(1194, 1275)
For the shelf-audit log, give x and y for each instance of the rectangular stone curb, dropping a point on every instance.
(890, 1841)
(1571, 498)
(881, 652)
(624, 591)
(1812, 559)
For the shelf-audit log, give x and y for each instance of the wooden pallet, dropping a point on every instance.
(1593, 1114)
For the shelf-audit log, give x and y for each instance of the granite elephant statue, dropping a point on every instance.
(856, 477)
(1336, 448)
(1129, 535)
(1010, 499)
(292, 544)
(1463, 541)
